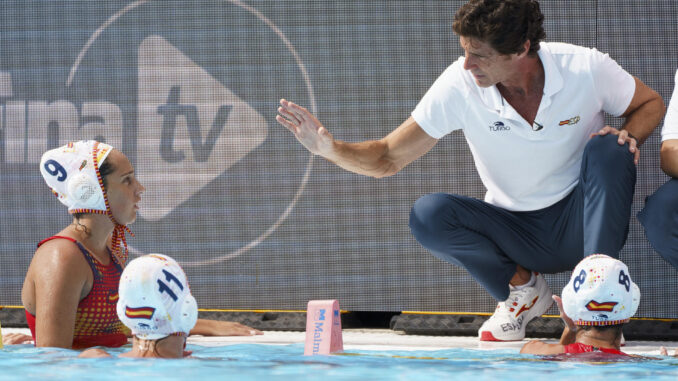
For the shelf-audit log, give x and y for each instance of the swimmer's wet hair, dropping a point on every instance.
(617, 328)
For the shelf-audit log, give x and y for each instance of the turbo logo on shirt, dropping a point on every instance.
(499, 126)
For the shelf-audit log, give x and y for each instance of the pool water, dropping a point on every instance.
(281, 362)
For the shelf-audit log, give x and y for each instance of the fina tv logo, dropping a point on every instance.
(177, 99)
(189, 128)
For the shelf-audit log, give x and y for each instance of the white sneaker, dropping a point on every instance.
(512, 315)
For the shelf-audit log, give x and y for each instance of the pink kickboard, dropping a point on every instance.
(323, 328)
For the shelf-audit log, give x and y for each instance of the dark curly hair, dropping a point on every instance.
(503, 24)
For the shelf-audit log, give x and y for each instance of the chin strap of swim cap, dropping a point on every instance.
(120, 253)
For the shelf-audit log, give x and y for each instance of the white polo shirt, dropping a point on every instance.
(521, 168)
(670, 129)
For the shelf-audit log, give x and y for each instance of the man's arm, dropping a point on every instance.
(376, 158)
(643, 115)
(669, 157)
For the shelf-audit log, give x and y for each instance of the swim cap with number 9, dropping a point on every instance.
(72, 175)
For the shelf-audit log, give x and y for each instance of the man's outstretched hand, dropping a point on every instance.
(305, 127)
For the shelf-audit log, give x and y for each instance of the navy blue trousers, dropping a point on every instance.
(659, 218)
(489, 241)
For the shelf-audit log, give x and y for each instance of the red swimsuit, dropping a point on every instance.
(584, 348)
(96, 321)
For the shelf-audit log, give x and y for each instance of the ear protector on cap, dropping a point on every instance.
(85, 191)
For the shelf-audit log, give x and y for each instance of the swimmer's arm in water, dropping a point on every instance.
(664, 352)
(569, 334)
(376, 158)
(208, 327)
(16, 338)
(92, 353)
(536, 347)
(59, 275)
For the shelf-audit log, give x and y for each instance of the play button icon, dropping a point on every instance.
(190, 127)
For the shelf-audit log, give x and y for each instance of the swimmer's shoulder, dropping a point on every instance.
(59, 254)
(538, 347)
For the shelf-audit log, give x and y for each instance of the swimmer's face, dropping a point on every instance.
(487, 66)
(122, 188)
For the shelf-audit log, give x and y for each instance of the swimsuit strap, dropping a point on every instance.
(96, 266)
(56, 237)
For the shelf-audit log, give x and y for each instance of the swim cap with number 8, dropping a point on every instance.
(600, 292)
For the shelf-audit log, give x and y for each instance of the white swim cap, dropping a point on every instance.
(72, 172)
(155, 300)
(600, 292)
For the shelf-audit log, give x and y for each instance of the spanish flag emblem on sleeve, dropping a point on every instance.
(139, 312)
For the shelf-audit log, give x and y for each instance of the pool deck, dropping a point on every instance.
(384, 339)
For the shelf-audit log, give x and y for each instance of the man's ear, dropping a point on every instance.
(526, 49)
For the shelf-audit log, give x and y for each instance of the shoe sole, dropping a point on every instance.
(488, 336)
